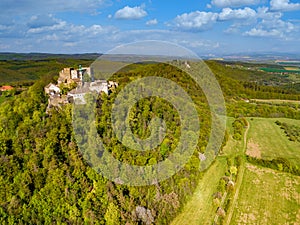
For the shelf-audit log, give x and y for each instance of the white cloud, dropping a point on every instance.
(59, 25)
(264, 13)
(70, 44)
(195, 21)
(266, 23)
(284, 5)
(49, 37)
(285, 27)
(127, 12)
(234, 3)
(37, 21)
(233, 29)
(196, 44)
(4, 28)
(34, 33)
(152, 22)
(272, 28)
(95, 29)
(257, 32)
(65, 29)
(237, 14)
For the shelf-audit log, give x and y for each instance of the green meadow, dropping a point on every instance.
(200, 208)
(269, 141)
(267, 197)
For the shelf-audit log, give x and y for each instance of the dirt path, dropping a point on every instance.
(199, 209)
(239, 179)
(222, 202)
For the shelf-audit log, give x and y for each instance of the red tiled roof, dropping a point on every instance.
(6, 88)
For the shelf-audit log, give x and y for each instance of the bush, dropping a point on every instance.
(291, 131)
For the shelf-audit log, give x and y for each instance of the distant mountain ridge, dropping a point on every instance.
(266, 56)
(44, 56)
(258, 57)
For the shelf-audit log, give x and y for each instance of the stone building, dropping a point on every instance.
(52, 89)
(70, 75)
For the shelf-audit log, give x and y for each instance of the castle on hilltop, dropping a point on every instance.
(71, 75)
(73, 84)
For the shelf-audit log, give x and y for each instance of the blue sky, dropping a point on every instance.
(206, 26)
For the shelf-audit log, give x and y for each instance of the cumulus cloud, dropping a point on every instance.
(127, 12)
(35, 32)
(237, 14)
(58, 25)
(265, 23)
(152, 22)
(63, 29)
(284, 26)
(258, 32)
(233, 3)
(271, 28)
(37, 21)
(264, 13)
(195, 21)
(284, 5)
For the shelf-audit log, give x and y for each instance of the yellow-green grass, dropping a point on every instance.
(277, 101)
(200, 208)
(271, 141)
(289, 68)
(267, 197)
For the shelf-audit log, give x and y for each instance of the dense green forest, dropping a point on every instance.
(249, 84)
(46, 180)
(44, 177)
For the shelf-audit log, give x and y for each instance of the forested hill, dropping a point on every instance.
(245, 83)
(44, 178)
(27, 71)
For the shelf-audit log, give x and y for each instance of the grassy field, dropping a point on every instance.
(281, 70)
(276, 101)
(268, 197)
(268, 141)
(265, 196)
(200, 208)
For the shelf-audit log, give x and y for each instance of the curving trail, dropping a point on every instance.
(239, 180)
(199, 209)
